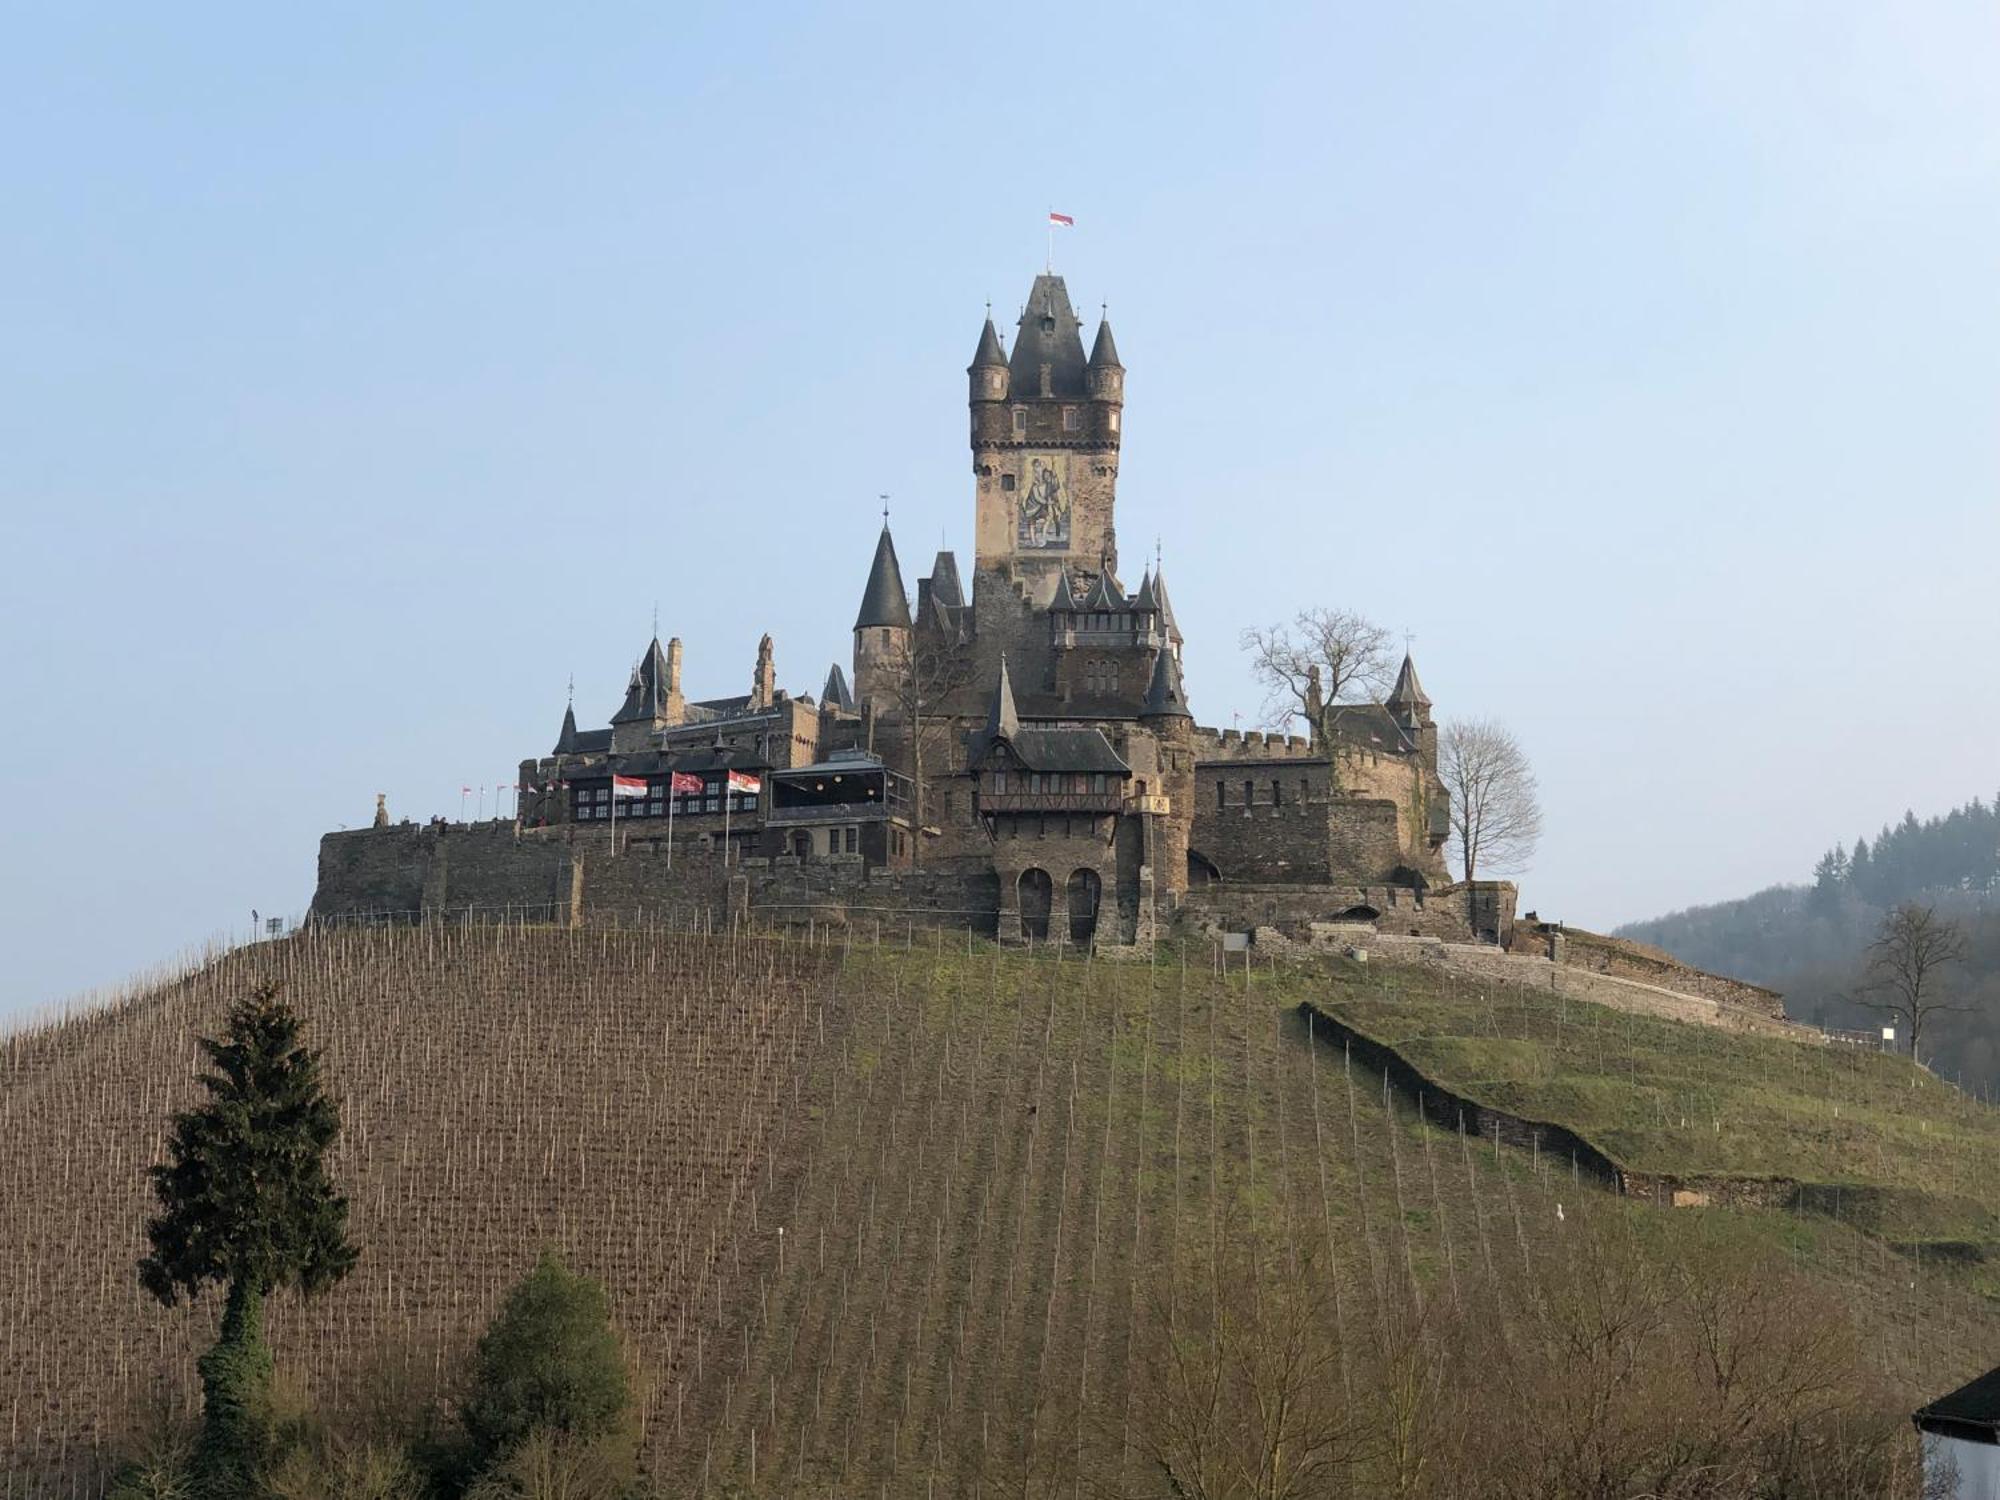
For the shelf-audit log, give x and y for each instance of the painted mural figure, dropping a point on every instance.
(1045, 508)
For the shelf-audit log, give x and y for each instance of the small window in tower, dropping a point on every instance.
(1276, 797)
(1048, 325)
(1111, 676)
(1221, 800)
(1249, 794)
(1111, 419)
(1071, 419)
(1006, 481)
(1020, 419)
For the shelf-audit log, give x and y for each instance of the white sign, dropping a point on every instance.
(1888, 1033)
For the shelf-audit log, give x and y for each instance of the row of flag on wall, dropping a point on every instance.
(685, 782)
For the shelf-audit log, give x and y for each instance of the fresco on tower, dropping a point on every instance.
(1043, 516)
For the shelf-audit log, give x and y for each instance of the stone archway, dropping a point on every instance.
(1037, 894)
(1084, 890)
(1201, 869)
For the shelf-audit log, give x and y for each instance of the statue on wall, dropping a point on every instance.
(1045, 507)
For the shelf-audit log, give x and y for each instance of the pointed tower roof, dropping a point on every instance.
(1407, 698)
(1051, 335)
(989, 351)
(1105, 593)
(1165, 698)
(1164, 604)
(1065, 596)
(566, 741)
(945, 585)
(1002, 720)
(1146, 599)
(835, 692)
(1104, 352)
(883, 602)
(646, 694)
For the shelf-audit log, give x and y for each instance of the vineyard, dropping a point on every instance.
(911, 1220)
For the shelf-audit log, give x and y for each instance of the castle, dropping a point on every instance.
(1019, 757)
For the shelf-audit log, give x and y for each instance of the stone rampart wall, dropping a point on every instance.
(1606, 955)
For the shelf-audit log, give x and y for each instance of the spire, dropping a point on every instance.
(646, 694)
(989, 355)
(1165, 698)
(883, 602)
(1146, 600)
(1003, 722)
(1050, 343)
(566, 741)
(1407, 700)
(1162, 603)
(1105, 593)
(1104, 353)
(835, 693)
(1065, 596)
(945, 585)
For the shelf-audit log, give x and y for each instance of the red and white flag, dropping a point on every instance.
(628, 786)
(742, 781)
(686, 782)
(1060, 221)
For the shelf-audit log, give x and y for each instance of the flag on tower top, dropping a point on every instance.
(1064, 220)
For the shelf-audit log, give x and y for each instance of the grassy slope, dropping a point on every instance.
(1665, 1098)
(985, 1166)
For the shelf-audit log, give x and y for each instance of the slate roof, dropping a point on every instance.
(646, 694)
(1050, 335)
(836, 691)
(883, 602)
(1165, 604)
(1408, 691)
(1145, 600)
(1065, 596)
(1104, 353)
(566, 740)
(1972, 1412)
(1165, 698)
(1370, 724)
(945, 585)
(1076, 749)
(989, 351)
(1105, 593)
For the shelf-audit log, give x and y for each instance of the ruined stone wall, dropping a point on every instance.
(1303, 913)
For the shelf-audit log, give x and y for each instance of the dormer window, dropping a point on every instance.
(1021, 416)
(1048, 325)
(1072, 419)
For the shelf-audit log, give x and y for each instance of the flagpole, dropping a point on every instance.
(673, 796)
(1049, 265)
(614, 814)
(725, 819)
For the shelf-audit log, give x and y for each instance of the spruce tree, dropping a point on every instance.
(246, 1203)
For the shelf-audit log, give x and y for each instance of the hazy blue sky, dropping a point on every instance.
(362, 376)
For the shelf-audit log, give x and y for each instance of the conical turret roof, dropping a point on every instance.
(1408, 694)
(566, 740)
(1105, 593)
(945, 585)
(1065, 596)
(1145, 600)
(883, 602)
(1051, 335)
(989, 353)
(1165, 698)
(1104, 352)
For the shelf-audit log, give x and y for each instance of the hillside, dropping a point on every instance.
(923, 1220)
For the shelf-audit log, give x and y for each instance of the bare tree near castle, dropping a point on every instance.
(1496, 815)
(1906, 968)
(927, 671)
(1323, 658)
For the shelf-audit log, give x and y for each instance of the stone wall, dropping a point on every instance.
(1628, 960)
(1307, 915)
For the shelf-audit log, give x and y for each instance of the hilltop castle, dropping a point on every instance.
(1019, 756)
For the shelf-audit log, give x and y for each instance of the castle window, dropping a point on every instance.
(1249, 794)
(1221, 800)
(1007, 481)
(853, 836)
(1020, 420)
(1035, 782)
(1097, 782)
(1111, 419)
(1275, 797)
(1111, 676)
(1071, 422)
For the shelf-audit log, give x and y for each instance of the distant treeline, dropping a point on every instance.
(1810, 940)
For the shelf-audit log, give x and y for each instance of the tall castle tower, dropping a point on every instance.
(1045, 436)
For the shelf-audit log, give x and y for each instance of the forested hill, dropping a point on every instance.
(1810, 940)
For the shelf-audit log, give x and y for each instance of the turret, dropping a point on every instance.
(987, 374)
(1410, 706)
(645, 708)
(881, 629)
(1165, 712)
(1104, 377)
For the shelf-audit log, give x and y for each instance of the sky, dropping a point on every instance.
(368, 372)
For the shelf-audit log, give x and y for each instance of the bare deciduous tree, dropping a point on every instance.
(1323, 658)
(1496, 816)
(1906, 964)
(928, 671)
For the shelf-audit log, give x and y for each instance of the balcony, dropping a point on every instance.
(1050, 802)
(830, 812)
